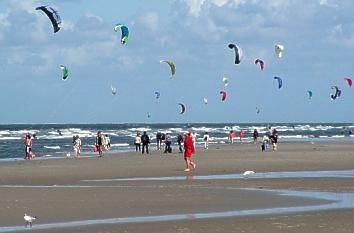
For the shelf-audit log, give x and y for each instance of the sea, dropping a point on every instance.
(55, 140)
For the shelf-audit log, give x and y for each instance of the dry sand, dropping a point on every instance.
(149, 198)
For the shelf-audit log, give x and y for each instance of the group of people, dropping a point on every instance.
(186, 145)
(232, 135)
(142, 142)
(271, 137)
(102, 143)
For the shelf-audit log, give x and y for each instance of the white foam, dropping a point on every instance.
(52, 147)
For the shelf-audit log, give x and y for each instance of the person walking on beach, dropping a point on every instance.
(265, 142)
(99, 144)
(231, 136)
(168, 143)
(255, 136)
(206, 140)
(188, 152)
(137, 142)
(77, 147)
(108, 142)
(180, 142)
(274, 139)
(242, 135)
(145, 140)
(28, 147)
(158, 140)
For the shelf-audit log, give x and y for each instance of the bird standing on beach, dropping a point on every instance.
(29, 219)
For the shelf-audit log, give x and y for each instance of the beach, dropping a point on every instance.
(118, 193)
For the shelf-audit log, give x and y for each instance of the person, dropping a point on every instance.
(145, 140)
(242, 135)
(231, 136)
(180, 142)
(265, 142)
(108, 141)
(188, 152)
(158, 140)
(168, 143)
(137, 142)
(274, 139)
(194, 138)
(59, 132)
(162, 144)
(99, 144)
(206, 140)
(28, 147)
(255, 136)
(77, 147)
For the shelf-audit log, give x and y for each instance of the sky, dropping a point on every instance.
(318, 37)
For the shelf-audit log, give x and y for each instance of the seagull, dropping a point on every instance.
(247, 173)
(29, 219)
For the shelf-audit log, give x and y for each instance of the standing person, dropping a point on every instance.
(158, 140)
(194, 138)
(179, 142)
(28, 146)
(99, 144)
(145, 140)
(162, 144)
(265, 142)
(255, 136)
(77, 147)
(168, 143)
(188, 152)
(108, 142)
(242, 135)
(274, 139)
(206, 140)
(137, 142)
(231, 136)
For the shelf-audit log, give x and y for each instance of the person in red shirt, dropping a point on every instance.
(188, 152)
(242, 135)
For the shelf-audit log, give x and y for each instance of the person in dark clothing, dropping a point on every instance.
(179, 142)
(168, 143)
(99, 144)
(145, 140)
(255, 136)
(158, 140)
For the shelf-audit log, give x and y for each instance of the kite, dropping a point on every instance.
(223, 95)
(280, 82)
(225, 81)
(114, 90)
(310, 94)
(53, 16)
(258, 110)
(183, 108)
(65, 72)
(157, 94)
(238, 53)
(260, 63)
(279, 49)
(125, 32)
(337, 93)
(171, 65)
(349, 81)
(205, 100)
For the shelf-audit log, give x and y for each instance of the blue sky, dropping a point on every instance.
(318, 37)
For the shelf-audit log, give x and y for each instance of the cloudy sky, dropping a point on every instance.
(318, 36)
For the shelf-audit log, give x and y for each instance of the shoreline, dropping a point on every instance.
(66, 190)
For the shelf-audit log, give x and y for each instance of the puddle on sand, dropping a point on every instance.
(262, 175)
(337, 201)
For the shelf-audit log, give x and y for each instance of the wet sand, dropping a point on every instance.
(83, 200)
